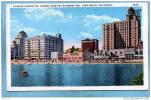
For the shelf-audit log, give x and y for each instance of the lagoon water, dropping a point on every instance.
(74, 74)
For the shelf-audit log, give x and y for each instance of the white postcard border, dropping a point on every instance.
(45, 88)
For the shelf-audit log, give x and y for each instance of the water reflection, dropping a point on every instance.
(75, 75)
(72, 75)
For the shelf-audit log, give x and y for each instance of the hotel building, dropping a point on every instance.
(40, 47)
(17, 46)
(90, 45)
(122, 34)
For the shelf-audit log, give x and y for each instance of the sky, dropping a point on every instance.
(74, 24)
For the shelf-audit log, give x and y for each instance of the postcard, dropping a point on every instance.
(78, 46)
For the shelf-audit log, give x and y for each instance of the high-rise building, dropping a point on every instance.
(40, 47)
(90, 45)
(17, 46)
(122, 34)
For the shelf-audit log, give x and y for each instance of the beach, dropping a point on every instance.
(140, 61)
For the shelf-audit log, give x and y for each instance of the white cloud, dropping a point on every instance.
(94, 24)
(93, 18)
(38, 13)
(69, 16)
(53, 12)
(48, 33)
(14, 20)
(29, 29)
(45, 13)
(17, 26)
(108, 18)
(86, 35)
(95, 21)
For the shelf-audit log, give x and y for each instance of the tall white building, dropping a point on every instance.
(40, 47)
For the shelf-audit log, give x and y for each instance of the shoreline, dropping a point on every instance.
(75, 63)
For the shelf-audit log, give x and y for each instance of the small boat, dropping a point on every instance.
(24, 73)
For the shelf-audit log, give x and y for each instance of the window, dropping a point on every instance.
(141, 52)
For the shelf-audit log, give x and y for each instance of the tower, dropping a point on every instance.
(19, 42)
(122, 34)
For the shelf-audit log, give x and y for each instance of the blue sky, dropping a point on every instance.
(74, 24)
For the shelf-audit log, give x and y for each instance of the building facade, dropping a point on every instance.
(73, 55)
(90, 45)
(56, 56)
(122, 34)
(40, 47)
(14, 50)
(127, 53)
(76, 55)
(17, 46)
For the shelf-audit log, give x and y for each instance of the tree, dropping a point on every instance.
(138, 80)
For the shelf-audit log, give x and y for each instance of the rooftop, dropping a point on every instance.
(87, 39)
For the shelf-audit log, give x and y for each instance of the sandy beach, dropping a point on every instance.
(59, 62)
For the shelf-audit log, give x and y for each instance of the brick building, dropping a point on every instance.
(90, 45)
(122, 34)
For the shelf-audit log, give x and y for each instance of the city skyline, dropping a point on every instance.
(71, 23)
(121, 43)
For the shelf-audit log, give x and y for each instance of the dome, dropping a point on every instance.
(131, 11)
(22, 34)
